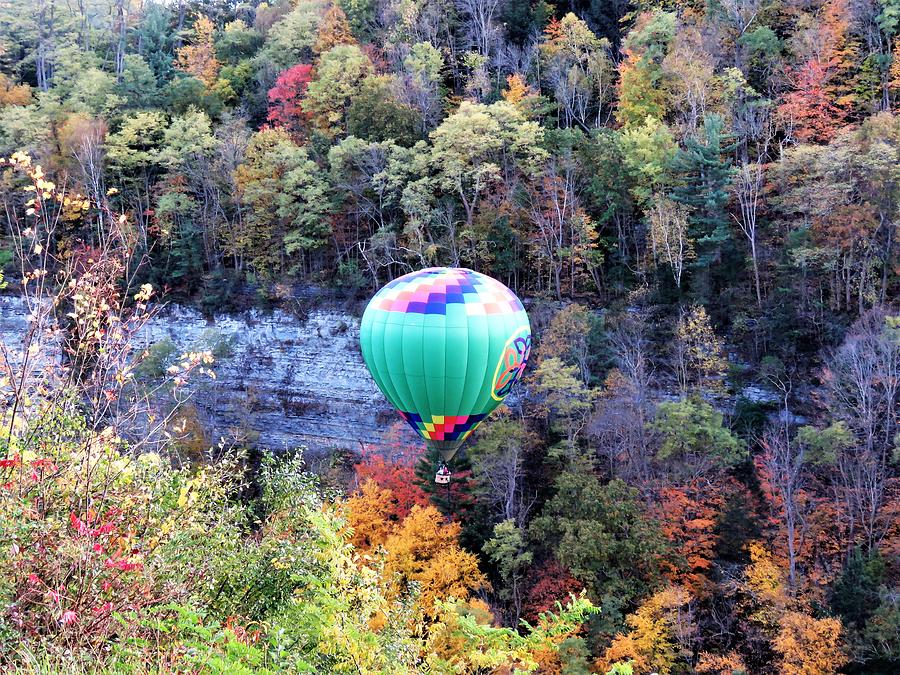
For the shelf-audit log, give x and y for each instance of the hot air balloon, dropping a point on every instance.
(445, 346)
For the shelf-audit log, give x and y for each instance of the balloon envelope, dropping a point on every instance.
(445, 346)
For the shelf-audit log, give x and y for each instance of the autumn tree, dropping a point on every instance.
(641, 92)
(839, 197)
(391, 465)
(548, 583)
(697, 352)
(661, 634)
(372, 516)
(783, 476)
(424, 550)
(13, 94)
(814, 109)
(333, 30)
(688, 517)
(198, 59)
(809, 646)
(579, 71)
(809, 111)
(286, 98)
(516, 89)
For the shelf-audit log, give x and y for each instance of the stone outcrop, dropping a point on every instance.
(281, 382)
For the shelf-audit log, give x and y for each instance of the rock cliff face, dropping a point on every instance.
(281, 382)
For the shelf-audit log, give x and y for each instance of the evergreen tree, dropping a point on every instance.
(703, 174)
(457, 500)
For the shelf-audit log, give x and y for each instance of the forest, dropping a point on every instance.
(697, 202)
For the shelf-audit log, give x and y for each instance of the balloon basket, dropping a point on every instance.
(442, 477)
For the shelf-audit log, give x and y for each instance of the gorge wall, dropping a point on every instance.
(281, 381)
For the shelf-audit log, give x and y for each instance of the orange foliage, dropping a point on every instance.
(687, 517)
(517, 90)
(845, 226)
(824, 547)
(199, 59)
(816, 107)
(890, 545)
(720, 664)
(820, 541)
(333, 31)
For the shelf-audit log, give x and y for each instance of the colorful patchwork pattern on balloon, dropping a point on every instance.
(443, 427)
(430, 291)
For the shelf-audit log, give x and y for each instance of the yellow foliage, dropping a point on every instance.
(516, 89)
(446, 641)
(369, 516)
(699, 351)
(809, 646)
(424, 550)
(13, 94)
(199, 59)
(658, 628)
(765, 578)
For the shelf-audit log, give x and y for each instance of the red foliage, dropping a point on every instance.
(392, 467)
(547, 585)
(377, 57)
(816, 108)
(809, 111)
(75, 579)
(285, 98)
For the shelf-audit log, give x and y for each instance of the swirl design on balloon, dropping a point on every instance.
(512, 363)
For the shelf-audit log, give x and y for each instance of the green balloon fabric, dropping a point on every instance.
(445, 346)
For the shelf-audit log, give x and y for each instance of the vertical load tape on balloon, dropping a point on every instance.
(445, 346)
